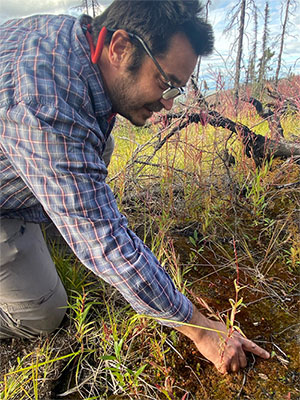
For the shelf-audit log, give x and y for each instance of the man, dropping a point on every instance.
(62, 82)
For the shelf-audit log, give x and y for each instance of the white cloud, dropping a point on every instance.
(17, 8)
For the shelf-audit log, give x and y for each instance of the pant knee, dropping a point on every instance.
(31, 319)
(32, 297)
(52, 313)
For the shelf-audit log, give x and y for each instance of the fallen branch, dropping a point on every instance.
(256, 146)
(272, 117)
(287, 103)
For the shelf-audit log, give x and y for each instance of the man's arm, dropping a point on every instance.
(226, 355)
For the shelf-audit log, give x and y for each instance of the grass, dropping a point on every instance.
(202, 219)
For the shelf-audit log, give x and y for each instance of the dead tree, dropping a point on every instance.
(273, 117)
(283, 33)
(266, 53)
(237, 19)
(264, 50)
(239, 49)
(208, 3)
(256, 146)
(251, 76)
(87, 5)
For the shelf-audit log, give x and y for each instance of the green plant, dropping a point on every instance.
(256, 190)
(292, 258)
(198, 247)
(26, 378)
(80, 313)
(176, 270)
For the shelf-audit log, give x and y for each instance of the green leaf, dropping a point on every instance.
(140, 370)
(107, 358)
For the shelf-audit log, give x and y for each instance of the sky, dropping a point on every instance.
(218, 67)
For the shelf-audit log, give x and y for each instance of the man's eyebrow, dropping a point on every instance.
(174, 79)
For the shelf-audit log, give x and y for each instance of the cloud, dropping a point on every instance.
(17, 8)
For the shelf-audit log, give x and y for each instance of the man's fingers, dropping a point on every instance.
(222, 369)
(250, 346)
(235, 357)
(235, 365)
(242, 359)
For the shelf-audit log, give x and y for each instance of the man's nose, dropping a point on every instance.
(167, 104)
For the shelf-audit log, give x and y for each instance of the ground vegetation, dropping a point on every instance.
(224, 222)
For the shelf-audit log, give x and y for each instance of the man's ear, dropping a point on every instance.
(120, 49)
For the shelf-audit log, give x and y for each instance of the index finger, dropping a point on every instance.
(248, 345)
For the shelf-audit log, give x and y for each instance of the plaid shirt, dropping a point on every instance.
(54, 122)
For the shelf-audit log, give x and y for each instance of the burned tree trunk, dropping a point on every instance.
(251, 72)
(282, 42)
(240, 49)
(256, 146)
(264, 51)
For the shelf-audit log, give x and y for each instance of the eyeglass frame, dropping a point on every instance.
(172, 91)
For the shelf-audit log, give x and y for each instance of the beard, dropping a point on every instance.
(128, 101)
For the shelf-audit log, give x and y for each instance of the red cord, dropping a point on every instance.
(95, 54)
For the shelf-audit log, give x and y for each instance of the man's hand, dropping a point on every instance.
(227, 354)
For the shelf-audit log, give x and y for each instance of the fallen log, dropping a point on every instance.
(256, 146)
(287, 103)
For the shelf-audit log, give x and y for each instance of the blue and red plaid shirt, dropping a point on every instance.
(54, 122)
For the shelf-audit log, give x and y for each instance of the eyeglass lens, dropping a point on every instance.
(171, 93)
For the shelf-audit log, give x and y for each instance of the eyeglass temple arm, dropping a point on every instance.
(150, 55)
(132, 35)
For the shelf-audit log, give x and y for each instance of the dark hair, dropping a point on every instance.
(156, 22)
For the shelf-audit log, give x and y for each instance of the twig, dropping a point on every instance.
(242, 387)
(287, 185)
(286, 329)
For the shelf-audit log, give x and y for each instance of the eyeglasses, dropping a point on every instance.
(172, 91)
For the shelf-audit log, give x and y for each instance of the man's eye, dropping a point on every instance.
(163, 84)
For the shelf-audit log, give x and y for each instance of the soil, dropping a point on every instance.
(270, 321)
(269, 326)
(13, 349)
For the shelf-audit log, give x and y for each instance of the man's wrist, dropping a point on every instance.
(192, 332)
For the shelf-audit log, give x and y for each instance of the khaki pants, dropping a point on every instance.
(33, 300)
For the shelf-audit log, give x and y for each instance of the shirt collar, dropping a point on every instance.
(101, 101)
